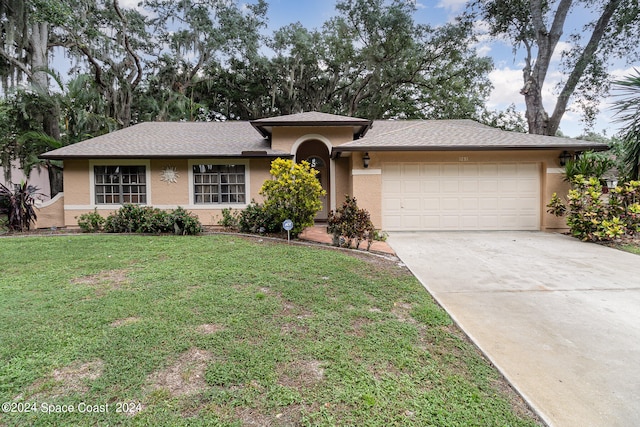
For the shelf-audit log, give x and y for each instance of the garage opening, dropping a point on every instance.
(460, 196)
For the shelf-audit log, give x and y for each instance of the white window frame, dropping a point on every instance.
(223, 162)
(122, 162)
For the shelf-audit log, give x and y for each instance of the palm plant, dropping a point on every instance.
(627, 108)
(19, 206)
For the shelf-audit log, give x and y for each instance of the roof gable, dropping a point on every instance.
(313, 118)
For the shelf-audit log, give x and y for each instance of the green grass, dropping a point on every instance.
(634, 249)
(219, 330)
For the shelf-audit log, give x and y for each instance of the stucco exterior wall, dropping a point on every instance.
(343, 179)
(78, 179)
(367, 183)
(38, 177)
(284, 138)
(50, 213)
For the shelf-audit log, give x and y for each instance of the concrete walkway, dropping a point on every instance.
(560, 318)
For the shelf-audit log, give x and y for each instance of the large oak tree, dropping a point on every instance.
(607, 30)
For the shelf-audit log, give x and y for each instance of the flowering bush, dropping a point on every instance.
(595, 217)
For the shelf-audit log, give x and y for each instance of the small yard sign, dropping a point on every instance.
(288, 225)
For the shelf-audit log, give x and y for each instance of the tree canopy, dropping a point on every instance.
(214, 60)
(607, 30)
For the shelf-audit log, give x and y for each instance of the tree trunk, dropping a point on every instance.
(39, 64)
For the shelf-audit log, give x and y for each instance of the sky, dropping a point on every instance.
(506, 77)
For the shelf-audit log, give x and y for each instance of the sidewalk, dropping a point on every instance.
(318, 233)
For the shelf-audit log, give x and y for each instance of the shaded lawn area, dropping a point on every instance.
(221, 330)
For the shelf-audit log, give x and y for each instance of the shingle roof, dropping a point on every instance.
(312, 118)
(173, 139)
(412, 135)
(239, 139)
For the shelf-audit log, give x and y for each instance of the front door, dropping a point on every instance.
(320, 165)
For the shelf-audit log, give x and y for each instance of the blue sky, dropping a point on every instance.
(506, 78)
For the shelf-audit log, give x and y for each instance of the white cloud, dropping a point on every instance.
(129, 4)
(418, 5)
(483, 49)
(452, 5)
(561, 47)
(507, 83)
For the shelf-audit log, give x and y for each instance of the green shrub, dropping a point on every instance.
(230, 219)
(293, 193)
(91, 222)
(350, 224)
(19, 206)
(184, 222)
(595, 217)
(589, 164)
(256, 219)
(145, 219)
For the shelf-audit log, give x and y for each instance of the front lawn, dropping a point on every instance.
(221, 330)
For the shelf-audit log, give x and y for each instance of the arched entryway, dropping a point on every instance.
(317, 154)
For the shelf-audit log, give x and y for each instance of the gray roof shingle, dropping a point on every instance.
(412, 135)
(172, 139)
(240, 139)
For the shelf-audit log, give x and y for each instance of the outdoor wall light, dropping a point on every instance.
(365, 160)
(612, 183)
(565, 157)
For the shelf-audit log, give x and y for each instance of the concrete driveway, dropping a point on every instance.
(559, 318)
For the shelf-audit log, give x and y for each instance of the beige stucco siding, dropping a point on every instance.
(76, 182)
(367, 183)
(342, 178)
(169, 193)
(78, 178)
(51, 212)
(285, 138)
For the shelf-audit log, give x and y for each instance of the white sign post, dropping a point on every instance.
(288, 225)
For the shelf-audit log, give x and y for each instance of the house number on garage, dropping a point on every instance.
(463, 159)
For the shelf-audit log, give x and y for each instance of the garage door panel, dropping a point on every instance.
(469, 222)
(509, 204)
(411, 204)
(449, 170)
(429, 170)
(507, 169)
(469, 186)
(450, 204)
(527, 186)
(449, 186)
(430, 222)
(430, 186)
(488, 170)
(508, 186)
(411, 186)
(464, 196)
(411, 170)
(392, 170)
(389, 185)
(430, 205)
(470, 170)
(391, 204)
(450, 222)
(487, 186)
(469, 204)
(412, 221)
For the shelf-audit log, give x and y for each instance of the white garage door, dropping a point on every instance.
(460, 196)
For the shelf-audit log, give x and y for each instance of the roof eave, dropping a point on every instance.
(266, 129)
(167, 156)
(469, 148)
